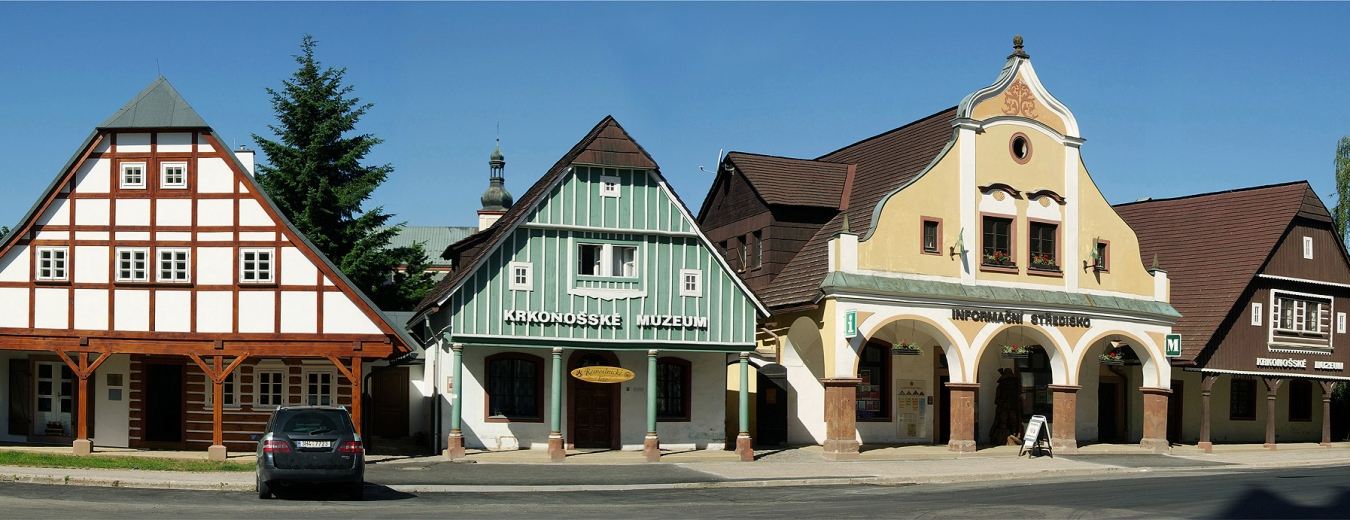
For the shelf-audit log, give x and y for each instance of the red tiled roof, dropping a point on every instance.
(1212, 245)
(884, 163)
(792, 182)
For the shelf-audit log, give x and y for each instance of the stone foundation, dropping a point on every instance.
(841, 426)
(1155, 420)
(454, 446)
(1065, 430)
(963, 416)
(557, 452)
(651, 448)
(744, 448)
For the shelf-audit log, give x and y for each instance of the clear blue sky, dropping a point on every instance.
(1173, 99)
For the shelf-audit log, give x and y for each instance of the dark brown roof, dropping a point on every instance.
(792, 182)
(606, 144)
(1212, 245)
(884, 163)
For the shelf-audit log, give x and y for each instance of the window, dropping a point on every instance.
(1043, 246)
(1242, 400)
(1101, 258)
(998, 242)
(255, 265)
(759, 249)
(133, 175)
(522, 276)
(609, 186)
(271, 387)
(51, 263)
(229, 397)
(1340, 323)
(931, 242)
(174, 265)
(515, 385)
(672, 389)
(1256, 314)
(874, 369)
(1020, 148)
(173, 175)
(319, 388)
(609, 260)
(1300, 401)
(133, 264)
(1307, 248)
(691, 282)
(1300, 316)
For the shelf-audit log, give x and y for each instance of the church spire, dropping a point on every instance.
(496, 200)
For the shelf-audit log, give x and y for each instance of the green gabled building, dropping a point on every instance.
(599, 264)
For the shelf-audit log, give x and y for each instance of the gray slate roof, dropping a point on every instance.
(158, 106)
(436, 239)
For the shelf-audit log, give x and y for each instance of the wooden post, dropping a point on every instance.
(1206, 384)
(1327, 387)
(218, 407)
(217, 373)
(353, 376)
(1272, 387)
(83, 369)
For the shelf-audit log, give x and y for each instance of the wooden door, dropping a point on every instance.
(594, 407)
(163, 403)
(389, 404)
(1107, 426)
(1174, 413)
(944, 410)
(20, 396)
(771, 412)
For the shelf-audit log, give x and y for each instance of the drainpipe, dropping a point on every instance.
(777, 342)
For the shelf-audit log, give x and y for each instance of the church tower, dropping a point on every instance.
(496, 200)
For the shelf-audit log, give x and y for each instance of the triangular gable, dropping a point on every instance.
(158, 106)
(607, 144)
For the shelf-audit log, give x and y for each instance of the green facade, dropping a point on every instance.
(612, 307)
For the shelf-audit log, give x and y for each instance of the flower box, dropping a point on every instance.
(905, 348)
(1044, 262)
(1016, 352)
(998, 259)
(1112, 358)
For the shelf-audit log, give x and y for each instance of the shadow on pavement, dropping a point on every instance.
(373, 492)
(1261, 503)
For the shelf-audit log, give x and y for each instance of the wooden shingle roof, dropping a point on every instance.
(792, 182)
(1212, 245)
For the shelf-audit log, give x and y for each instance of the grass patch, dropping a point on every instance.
(55, 460)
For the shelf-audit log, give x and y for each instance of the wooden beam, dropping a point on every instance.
(356, 394)
(103, 356)
(355, 380)
(178, 348)
(218, 406)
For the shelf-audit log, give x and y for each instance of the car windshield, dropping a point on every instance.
(313, 422)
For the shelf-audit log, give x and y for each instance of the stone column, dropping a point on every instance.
(454, 443)
(963, 416)
(1272, 387)
(1327, 387)
(557, 451)
(744, 445)
(1206, 384)
(841, 419)
(651, 445)
(1155, 420)
(1065, 439)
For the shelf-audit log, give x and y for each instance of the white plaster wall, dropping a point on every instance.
(13, 307)
(478, 433)
(256, 236)
(215, 266)
(204, 145)
(214, 176)
(133, 212)
(299, 311)
(341, 316)
(131, 310)
(418, 400)
(91, 309)
(57, 214)
(174, 142)
(257, 312)
(213, 212)
(173, 311)
(112, 419)
(173, 212)
(804, 360)
(251, 214)
(14, 266)
(215, 311)
(129, 143)
(173, 236)
(132, 235)
(214, 236)
(91, 264)
(51, 308)
(93, 176)
(91, 212)
(296, 269)
(706, 427)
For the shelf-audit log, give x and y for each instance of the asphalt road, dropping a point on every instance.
(1285, 493)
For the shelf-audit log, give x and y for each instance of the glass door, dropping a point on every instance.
(54, 399)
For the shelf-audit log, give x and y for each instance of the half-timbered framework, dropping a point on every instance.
(155, 297)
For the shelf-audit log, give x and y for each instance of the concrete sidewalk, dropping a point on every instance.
(518, 471)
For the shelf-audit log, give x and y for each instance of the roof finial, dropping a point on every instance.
(844, 228)
(1017, 49)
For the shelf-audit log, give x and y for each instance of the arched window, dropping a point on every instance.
(672, 389)
(515, 386)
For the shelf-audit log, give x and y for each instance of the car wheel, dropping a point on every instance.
(357, 491)
(264, 491)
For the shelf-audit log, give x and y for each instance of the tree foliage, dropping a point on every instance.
(315, 176)
(1341, 212)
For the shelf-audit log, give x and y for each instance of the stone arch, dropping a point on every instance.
(1051, 340)
(939, 332)
(1149, 354)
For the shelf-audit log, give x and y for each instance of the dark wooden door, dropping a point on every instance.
(389, 403)
(20, 397)
(1174, 413)
(164, 403)
(944, 410)
(770, 411)
(594, 406)
(1107, 426)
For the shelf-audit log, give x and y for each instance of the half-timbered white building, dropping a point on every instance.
(154, 297)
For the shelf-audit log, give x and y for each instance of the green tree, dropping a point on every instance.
(314, 174)
(1341, 212)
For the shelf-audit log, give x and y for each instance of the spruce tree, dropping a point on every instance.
(1340, 213)
(314, 174)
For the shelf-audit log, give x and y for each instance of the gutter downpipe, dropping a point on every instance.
(777, 342)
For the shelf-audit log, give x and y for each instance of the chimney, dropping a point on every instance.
(245, 156)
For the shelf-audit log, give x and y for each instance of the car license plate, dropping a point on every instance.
(314, 444)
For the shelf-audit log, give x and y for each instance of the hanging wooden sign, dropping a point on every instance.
(598, 374)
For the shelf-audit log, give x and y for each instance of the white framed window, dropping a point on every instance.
(1307, 248)
(133, 264)
(229, 392)
(1340, 323)
(173, 175)
(51, 263)
(270, 386)
(607, 260)
(133, 175)
(1300, 315)
(174, 265)
(320, 388)
(623, 263)
(609, 186)
(256, 265)
(691, 282)
(1256, 314)
(522, 276)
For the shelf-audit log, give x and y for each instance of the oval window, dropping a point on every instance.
(1020, 147)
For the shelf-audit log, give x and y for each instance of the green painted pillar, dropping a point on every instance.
(651, 445)
(745, 396)
(557, 451)
(457, 392)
